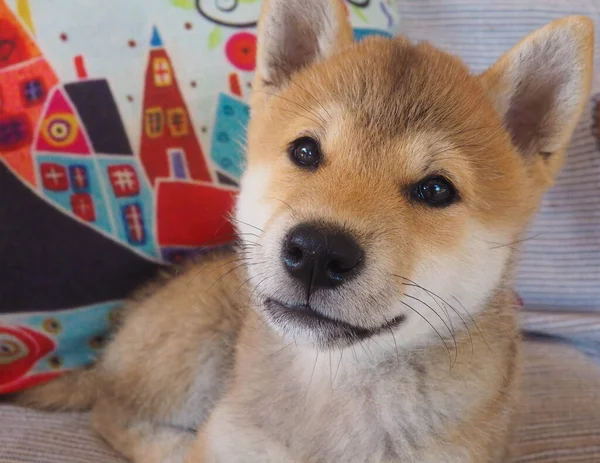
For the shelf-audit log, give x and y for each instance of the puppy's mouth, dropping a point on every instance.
(326, 329)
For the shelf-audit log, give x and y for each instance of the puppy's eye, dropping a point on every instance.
(435, 191)
(305, 152)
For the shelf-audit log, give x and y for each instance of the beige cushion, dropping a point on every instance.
(559, 419)
(33, 437)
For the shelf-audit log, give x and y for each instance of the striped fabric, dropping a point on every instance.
(580, 329)
(561, 263)
(558, 421)
(28, 436)
(559, 415)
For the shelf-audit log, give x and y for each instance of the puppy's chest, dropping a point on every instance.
(371, 414)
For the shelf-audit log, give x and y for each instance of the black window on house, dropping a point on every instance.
(178, 123)
(154, 122)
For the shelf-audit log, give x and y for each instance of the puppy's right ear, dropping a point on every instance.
(540, 89)
(293, 34)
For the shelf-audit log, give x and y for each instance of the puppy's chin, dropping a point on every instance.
(306, 324)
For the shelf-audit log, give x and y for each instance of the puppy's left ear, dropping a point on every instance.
(541, 87)
(293, 34)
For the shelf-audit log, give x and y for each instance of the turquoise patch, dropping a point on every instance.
(77, 330)
(94, 189)
(361, 33)
(229, 134)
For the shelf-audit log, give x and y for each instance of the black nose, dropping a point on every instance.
(321, 256)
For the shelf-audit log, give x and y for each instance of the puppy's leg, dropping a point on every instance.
(226, 432)
(139, 440)
(169, 362)
(76, 390)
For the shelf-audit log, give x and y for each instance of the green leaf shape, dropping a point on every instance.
(183, 4)
(360, 14)
(215, 38)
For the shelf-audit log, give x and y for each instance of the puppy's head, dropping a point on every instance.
(385, 182)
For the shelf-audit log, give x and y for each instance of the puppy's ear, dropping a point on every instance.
(541, 86)
(293, 34)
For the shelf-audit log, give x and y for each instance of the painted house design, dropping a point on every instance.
(192, 199)
(69, 140)
(169, 147)
(93, 214)
(86, 164)
(25, 81)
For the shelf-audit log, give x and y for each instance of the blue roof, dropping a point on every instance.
(156, 40)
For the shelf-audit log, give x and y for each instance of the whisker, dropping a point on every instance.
(354, 354)
(235, 219)
(208, 245)
(212, 264)
(206, 267)
(473, 321)
(278, 351)
(242, 285)
(432, 294)
(522, 240)
(375, 341)
(395, 343)
(434, 329)
(442, 320)
(282, 201)
(338, 365)
(258, 284)
(226, 274)
(360, 343)
(311, 376)
(452, 307)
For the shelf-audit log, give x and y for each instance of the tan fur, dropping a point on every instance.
(199, 350)
(178, 329)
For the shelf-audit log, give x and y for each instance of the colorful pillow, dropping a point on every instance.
(121, 134)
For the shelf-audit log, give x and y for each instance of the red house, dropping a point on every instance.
(191, 215)
(169, 147)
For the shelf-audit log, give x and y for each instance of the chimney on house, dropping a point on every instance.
(80, 68)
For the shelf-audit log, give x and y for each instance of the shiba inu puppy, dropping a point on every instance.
(368, 314)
